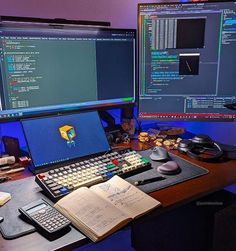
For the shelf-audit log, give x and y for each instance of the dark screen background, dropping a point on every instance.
(115, 68)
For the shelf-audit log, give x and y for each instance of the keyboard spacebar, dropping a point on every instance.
(89, 182)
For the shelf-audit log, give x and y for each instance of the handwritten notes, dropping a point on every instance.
(93, 211)
(104, 208)
(125, 196)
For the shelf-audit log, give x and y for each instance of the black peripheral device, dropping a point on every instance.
(201, 147)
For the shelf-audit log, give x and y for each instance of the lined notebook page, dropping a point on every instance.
(91, 210)
(125, 196)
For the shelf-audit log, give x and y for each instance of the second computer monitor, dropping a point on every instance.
(187, 60)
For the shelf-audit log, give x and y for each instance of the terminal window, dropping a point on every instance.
(31, 84)
(47, 70)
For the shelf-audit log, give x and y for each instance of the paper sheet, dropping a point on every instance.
(125, 196)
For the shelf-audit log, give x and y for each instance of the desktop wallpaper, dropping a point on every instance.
(60, 138)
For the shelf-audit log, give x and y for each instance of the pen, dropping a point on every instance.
(12, 171)
(143, 182)
(5, 168)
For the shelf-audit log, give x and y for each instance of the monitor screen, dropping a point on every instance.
(187, 60)
(46, 70)
(55, 139)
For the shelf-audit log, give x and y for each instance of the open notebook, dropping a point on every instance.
(104, 208)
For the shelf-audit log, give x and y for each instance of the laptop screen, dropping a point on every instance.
(52, 140)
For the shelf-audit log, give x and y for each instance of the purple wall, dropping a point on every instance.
(121, 13)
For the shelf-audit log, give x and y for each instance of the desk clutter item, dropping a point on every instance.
(143, 137)
(60, 181)
(44, 217)
(11, 146)
(188, 171)
(4, 198)
(168, 143)
(4, 178)
(169, 168)
(143, 182)
(23, 192)
(104, 208)
(12, 170)
(9, 160)
(201, 147)
(166, 140)
(159, 153)
(9, 167)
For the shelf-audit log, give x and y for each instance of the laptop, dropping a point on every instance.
(55, 140)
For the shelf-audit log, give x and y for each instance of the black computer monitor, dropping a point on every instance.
(47, 69)
(187, 58)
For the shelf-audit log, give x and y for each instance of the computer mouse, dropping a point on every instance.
(159, 153)
(169, 168)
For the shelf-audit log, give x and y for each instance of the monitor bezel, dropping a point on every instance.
(168, 117)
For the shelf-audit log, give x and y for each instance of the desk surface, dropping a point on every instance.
(220, 175)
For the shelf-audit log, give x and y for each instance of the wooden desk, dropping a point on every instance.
(220, 175)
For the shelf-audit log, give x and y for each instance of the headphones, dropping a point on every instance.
(201, 147)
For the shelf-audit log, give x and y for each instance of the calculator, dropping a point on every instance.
(44, 217)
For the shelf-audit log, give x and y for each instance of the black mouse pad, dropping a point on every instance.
(23, 192)
(188, 171)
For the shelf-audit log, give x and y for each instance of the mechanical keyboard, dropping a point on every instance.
(60, 181)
